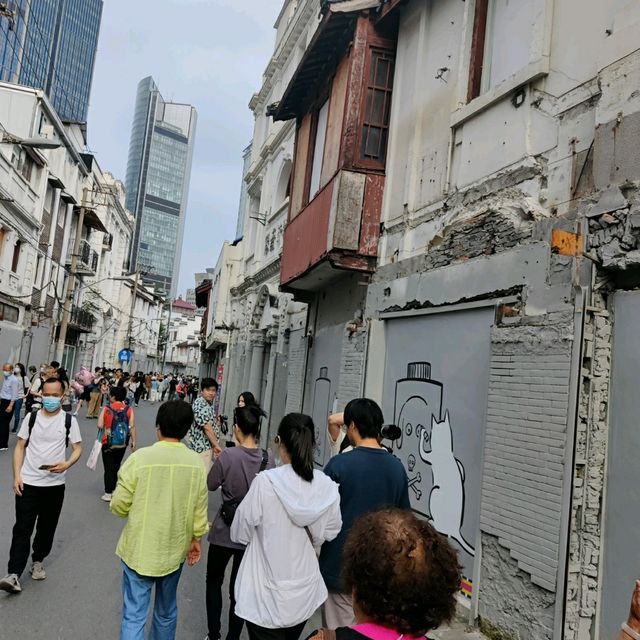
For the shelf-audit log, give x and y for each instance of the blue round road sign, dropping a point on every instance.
(124, 355)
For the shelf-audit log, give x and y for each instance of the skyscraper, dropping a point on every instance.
(51, 45)
(158, 174)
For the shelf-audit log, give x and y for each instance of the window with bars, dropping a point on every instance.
(377, 107)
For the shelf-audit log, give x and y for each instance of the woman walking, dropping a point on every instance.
(233, 471)
(287, 512)
(20, 373)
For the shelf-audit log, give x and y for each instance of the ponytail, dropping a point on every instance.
(248, 419)
(296, 432)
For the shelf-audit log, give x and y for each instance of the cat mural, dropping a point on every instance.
(426, 448)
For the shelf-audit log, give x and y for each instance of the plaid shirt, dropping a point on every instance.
(202, 414)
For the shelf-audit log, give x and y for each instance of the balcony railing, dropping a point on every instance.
(82, 320)
(87, 258)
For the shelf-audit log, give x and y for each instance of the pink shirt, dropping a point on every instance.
(378, 632)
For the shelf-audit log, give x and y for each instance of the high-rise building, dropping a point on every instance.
(158, 174)
(51, 45)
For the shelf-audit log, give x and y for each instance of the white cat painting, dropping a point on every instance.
(446, 501)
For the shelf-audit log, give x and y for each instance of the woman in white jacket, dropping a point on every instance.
(287, 512)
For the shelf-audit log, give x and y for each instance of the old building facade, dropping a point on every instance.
(461, 245)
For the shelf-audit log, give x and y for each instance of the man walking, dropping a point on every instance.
(9, 394)
(203, 434)
(369, 478)
(39, 466)
(162, 492)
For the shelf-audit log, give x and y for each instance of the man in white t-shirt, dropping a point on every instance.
(39, 466)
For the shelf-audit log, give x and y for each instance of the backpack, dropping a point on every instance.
(119, 433)
(67, 427)
(229, 507)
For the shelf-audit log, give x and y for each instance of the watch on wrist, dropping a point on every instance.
(630, 632)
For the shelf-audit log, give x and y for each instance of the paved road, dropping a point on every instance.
(81, 597)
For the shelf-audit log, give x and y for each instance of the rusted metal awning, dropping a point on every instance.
(327, 47)
(91, 219)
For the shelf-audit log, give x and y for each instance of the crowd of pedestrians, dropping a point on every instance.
(298, 539)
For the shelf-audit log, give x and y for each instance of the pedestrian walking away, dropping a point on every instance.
(117, 428)
(204, 434)
(404, 584)
(370, 478)
(233, 473)
(9, 395)
(39, 468)
(287, 512)
(162, 491)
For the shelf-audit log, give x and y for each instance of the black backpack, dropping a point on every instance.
(229, 507)
(67, 427)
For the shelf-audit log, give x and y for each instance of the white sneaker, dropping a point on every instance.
(10, 584)
(37, 571)
(106, 497)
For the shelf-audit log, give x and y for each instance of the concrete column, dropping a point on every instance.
(257, 362)
(246, 372)
(271, 376)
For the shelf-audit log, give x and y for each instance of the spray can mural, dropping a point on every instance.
(426, 448)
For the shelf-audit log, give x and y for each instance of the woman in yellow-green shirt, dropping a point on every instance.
(162, 492)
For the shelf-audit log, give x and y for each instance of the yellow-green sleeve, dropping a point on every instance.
(122, 497)
(200, 518)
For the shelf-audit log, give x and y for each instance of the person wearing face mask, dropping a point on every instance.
(20, 373)
(39, 467)
(9, 395)
(34, 396)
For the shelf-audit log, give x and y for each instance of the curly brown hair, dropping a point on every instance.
(403, 574)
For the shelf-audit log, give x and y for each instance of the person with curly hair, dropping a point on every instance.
(404, 585)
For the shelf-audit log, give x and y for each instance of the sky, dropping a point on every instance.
(208, 53)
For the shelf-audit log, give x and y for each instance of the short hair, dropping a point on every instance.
(366, 415)
(208, 383)
(53, 381)
(403, 574)
(55, 364)
(119, 394)
(174, 419)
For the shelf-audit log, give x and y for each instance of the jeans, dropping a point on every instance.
(257, 632)
(17, 410)
(217, 561)
(112, 460)
(5, 422)
(36, 504)
(136, 592)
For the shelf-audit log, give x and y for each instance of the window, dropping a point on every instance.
(9, 313)
(3, 237)
(15, 261)
(318, 149)
(501, 43)
(377, 110)
(27, 167)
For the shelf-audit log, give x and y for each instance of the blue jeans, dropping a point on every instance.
(136, 591)
(17, 410)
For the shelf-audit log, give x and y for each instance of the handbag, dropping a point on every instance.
(229, 507)
(92, 460)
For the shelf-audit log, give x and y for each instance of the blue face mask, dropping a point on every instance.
(51, 404)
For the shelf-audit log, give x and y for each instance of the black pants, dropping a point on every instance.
(217, 561)
(111, 459)
(262, 633)
(5, 423)
(37, 507)
(138, 393)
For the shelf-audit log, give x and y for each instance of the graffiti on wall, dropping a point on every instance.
(426, 448)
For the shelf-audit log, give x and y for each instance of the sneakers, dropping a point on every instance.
(106, 497)
(37, 571)
(10, 584)
(4, 448)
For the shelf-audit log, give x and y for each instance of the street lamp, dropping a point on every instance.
(33, 143)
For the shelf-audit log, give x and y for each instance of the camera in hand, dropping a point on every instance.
(390, 432)
(224, 424)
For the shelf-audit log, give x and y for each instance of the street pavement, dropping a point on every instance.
(81, 597)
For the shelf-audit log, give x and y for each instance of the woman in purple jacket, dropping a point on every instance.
(233, 472)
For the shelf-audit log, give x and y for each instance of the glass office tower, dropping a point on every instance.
(157, 182)
(51, 45)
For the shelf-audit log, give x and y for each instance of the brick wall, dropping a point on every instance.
(296, 360)
(352, 365)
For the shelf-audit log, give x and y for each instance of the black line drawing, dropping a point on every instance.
(427, 437)
(321, 408)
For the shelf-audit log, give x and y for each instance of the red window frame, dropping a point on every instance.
(476, 60)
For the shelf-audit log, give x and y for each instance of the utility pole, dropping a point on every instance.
(132, 310)
(67, 304)
(166, 337)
